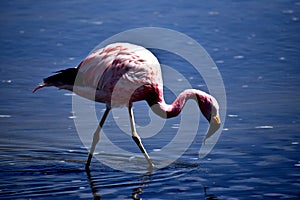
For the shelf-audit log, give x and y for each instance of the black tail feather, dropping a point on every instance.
(62, 77)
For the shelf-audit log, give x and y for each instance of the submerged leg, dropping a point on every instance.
(96, 138)
(137, 138)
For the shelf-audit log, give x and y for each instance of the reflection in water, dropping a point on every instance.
(92, 184)
(208, 196)
(135, 193)
(153, 181)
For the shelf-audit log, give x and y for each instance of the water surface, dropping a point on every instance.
(255, 45)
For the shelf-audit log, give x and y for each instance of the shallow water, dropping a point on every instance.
(255, 45)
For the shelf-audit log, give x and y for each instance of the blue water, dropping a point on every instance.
(256, 46)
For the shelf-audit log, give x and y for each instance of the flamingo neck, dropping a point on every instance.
(164, 110)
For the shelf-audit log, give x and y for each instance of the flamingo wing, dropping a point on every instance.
(118, 70)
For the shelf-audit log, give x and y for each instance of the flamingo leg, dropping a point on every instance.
(137, 138)
(96, 137)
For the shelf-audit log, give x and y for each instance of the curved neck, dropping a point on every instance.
(164, 110)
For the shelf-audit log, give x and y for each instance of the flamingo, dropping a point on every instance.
(121, 74)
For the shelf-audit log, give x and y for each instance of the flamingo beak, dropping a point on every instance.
(217, 120)
(39, 87)
(215, 124)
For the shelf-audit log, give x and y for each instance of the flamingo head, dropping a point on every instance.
(63, 79)
(210, 109)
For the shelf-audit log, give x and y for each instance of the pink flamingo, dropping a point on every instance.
(120, 74)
